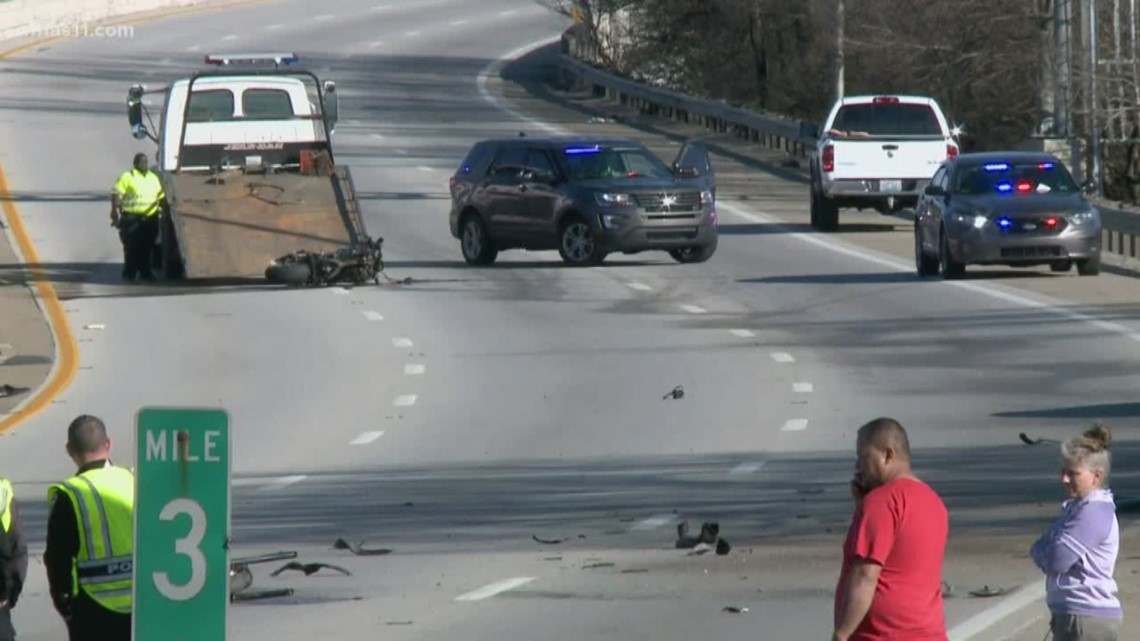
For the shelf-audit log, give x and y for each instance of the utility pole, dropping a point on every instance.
(1062, 15)
(839, 49)
(1088, 15)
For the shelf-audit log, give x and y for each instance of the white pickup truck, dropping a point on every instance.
(876, 152)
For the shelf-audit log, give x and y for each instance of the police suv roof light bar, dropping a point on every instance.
(226, 59)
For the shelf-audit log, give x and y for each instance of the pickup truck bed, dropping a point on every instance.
(231, 225)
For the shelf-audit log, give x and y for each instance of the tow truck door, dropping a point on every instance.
(694, 156)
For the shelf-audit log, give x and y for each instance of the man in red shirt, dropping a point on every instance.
(890, 587)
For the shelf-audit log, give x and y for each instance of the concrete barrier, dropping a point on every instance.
(21, 19)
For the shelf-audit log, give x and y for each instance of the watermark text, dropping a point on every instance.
(83, 30)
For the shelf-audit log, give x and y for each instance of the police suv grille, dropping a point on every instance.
(683, 201)
(1031, 252)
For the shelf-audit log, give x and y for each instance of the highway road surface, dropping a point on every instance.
(455, 417)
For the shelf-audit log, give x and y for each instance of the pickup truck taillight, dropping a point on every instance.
(951, 151)
(829, 158)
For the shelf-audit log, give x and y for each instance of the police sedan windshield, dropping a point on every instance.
(1014, 178)
(592, 162)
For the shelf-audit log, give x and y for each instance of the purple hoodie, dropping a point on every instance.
(1078, 556)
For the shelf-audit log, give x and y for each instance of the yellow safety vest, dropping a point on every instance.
(103, 500)
(140, 194)
(6, 496)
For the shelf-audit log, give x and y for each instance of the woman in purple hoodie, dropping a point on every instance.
(1078, 552)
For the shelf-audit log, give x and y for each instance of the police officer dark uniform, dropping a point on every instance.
(90, 540)
(136, 200)
(13, 558)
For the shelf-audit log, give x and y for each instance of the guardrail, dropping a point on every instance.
(1121, 227)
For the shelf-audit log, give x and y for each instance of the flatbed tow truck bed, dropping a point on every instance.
(230, 225)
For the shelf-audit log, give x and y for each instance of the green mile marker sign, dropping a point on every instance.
(182, 519)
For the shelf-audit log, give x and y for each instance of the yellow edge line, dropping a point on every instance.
(67, 349)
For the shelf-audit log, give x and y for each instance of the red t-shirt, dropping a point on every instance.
(902, 526)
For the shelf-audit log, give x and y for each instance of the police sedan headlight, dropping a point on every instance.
(706, 197)
(1085, 218)
(978, 221)
(613, 199)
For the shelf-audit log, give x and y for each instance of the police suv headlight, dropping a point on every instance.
(1085, 218)
(613, 199)
(706, 197)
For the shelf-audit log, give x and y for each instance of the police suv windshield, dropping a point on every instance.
(593, 162)
(1014, 178)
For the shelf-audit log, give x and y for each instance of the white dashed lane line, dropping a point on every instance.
(324, 17)
(747, 468)
(693, 309)
(273, 27)
(412, 34)
(401, 342)
(366, 438)
(495, 588)
(373, 316)
(456, 23)
(413, 369)
(743, 333)
(795, 425)
(425, 168)
(802, 388)
(405, 400)
(284, 481)
(783, 357)
(641, 287)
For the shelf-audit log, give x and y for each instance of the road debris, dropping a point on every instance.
(597, 565)
(309, 568)
(358, 549)
(709, 537)
(677, 392)
(987, 591)
(241, 577)
(547, 541)
(734, 609)
(9, 390)
(1035, 441)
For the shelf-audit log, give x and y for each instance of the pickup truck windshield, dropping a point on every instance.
(886, 119)
(1014, 178)
(589, 163)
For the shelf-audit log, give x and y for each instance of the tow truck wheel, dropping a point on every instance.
(476, 244)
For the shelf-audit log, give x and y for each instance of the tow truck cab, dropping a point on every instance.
(246, 159)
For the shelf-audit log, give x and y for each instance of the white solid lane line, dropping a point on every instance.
(324, 17)
(412, 34)
(495, 588)
(783, 357)
(654, 522)
(802, 388)
(425, 168)
(693, 309)
(795, 425)
(405, 400)
(747, 468)
(373, 316)
(641, 287)
(366, 438)
(401, 342)
(413, 369)
(273, 27)
(743, 333)
(456, 23)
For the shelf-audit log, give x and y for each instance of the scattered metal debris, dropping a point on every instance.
(9, 390)
(709, 537)
(241, 577)
(635, 571)
(1034, 441)
(597, 565)
(551, 558)
(734, 609)
(678, 392)
(987, 591)
(399, 623)
(309, 568)
(358, 549)
(547, 541)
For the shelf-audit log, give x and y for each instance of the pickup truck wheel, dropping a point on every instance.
(475, 242)
(924, 264)
(1088, 266)
(947, 266)
(827, 218)
(814, 209)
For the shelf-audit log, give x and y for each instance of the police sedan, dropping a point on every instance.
(1020, 209)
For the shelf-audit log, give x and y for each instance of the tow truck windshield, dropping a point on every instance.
(589, 163)
(1014, 178)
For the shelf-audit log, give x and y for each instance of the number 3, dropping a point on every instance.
(189, 545)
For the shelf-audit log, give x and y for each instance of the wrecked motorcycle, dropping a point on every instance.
(357, 265)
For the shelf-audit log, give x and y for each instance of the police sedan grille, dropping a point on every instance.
(683, 201)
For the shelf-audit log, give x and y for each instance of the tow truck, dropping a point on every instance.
(245, 156)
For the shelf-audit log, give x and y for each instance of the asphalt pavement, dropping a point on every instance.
(455, 417)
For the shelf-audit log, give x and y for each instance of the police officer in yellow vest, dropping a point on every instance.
(90, 542)
(13, 558)
(136, 200)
